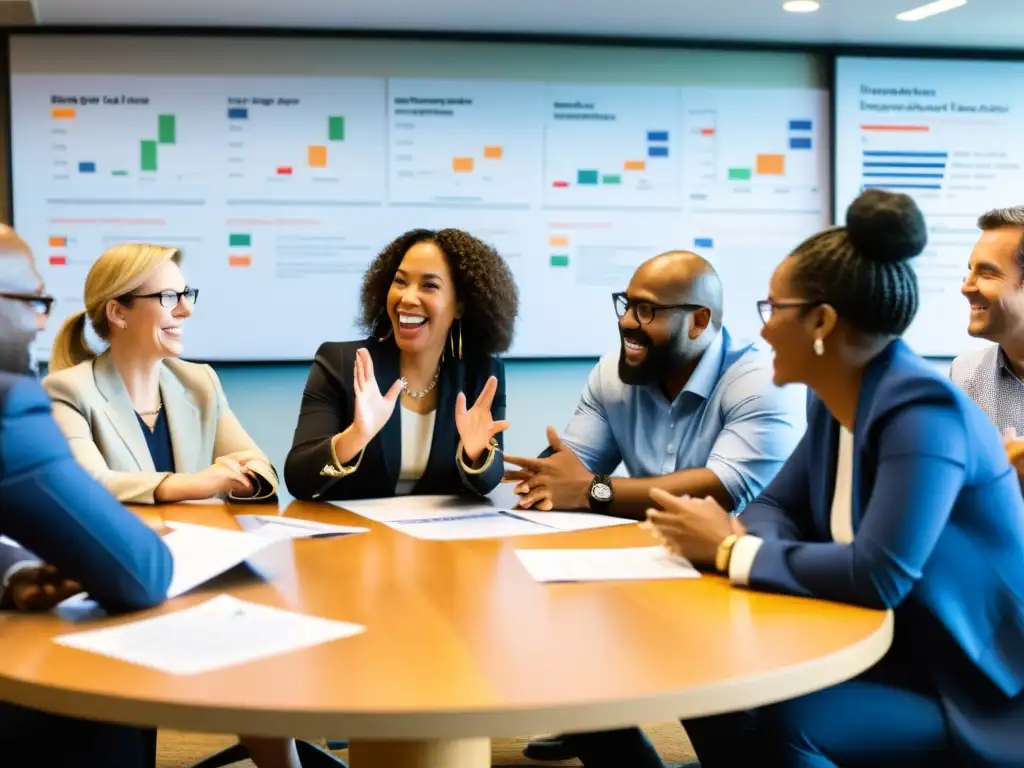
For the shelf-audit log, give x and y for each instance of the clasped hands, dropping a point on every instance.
(691, 528)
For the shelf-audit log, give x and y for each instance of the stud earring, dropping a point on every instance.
(819, 347)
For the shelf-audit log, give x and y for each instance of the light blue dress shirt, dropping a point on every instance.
(730, 418)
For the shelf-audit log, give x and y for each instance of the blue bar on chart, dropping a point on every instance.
(800, 125)
(655, 151)
(587, 177)
(903, 169)
(657, 135)
(887, 153)
(703, 242)
(800, 142)
(238, 113)
(87, 167)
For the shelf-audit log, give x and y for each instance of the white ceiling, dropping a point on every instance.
(981, 23)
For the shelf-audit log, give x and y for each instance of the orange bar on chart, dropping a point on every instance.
(240, 261)
(635, 165)
(493, 153)
(558, 241)
(58, 242)
(63, 113)
(462, 164)
(771, 165)
(317, 156)
(897, 128)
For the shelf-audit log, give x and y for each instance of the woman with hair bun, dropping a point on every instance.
(898, 497)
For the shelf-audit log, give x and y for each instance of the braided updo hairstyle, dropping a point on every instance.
(483, 283)
(863, 269)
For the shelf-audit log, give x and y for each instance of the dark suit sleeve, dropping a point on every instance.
(484, 482)
(922, 459)
(783, 509)
(53, 507)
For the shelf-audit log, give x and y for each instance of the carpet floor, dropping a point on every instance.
(177, 749)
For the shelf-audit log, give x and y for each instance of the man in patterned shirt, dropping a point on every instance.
(994, 376)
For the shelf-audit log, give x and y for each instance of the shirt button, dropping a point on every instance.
(671, 449)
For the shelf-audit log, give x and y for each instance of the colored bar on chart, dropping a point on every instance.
(655, 151)
(635, 165)
(58, 261)
(740, 174)
(800, 125)
(560, 184)
(494, 152)
(703, 242)
(707, 131)
(905, 164)
(559, 260)
(56, 241)
(883, 153)
(284, 170)
(611, 178)
(336, 128)
(462, 164)
(119, 173)
(316, 155)
(63, 113)
(903, 175)
(239, 239)
(897, 128)
(770, 165)
(87, 167)
(902, 186)
(147, 157)
(238, 113)
(166, 125)
(587, 177)
(657, 135)
(800, 142)
(239, 261)
(558, 241)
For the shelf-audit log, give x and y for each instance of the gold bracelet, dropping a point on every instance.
(724, 553)
(492, 451)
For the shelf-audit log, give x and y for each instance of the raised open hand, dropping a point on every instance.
(372, 409)
(476, 425)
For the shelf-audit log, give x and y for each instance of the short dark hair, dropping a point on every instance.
(998, 218)
(483, 283)
(863, 269)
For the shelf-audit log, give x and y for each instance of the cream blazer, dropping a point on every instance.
(92, 408)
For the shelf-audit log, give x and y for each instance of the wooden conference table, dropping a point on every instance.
(461, 646)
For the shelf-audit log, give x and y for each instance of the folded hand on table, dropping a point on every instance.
(692, 528)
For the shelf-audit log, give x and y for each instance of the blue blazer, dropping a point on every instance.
(938, 523)
(328, 403)
(53, 507)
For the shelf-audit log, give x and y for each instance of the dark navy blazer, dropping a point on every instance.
(938, 523)
(53, 507)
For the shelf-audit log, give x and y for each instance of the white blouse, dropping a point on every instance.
(841, 522)
(417, 437)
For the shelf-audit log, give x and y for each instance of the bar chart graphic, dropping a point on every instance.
(612, 147)
(463, 143)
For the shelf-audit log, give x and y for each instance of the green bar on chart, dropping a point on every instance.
(238, 239)
(148, 155)
(740, 174)
(587, 177)
(119, 173)
(559, 260)
(165, 129)
(611, 178)
(336, 128)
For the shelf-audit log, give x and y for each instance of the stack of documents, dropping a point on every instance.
(634, 564)
(277, 527)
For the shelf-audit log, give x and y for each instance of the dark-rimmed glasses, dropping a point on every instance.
(644, 311)
(766, 307)
(43, 304)
(167, 299)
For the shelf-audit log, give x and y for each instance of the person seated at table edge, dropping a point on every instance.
(77, 537)
(439, 306)
(899, 497)
(150, 427)
(682, 405)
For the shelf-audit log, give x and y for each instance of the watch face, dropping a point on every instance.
(601, 492)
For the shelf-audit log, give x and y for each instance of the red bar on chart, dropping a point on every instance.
(58, 261)
(707, 131)
(560, 184)
(284, 170)
(897, 128)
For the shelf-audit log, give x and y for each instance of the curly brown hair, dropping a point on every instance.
(483, 283)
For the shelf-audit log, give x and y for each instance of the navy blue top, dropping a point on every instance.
(159, 442)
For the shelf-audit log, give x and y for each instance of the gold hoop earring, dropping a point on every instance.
(460, 339)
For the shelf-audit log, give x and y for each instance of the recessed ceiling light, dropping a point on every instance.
(803, 6)
(930, 9)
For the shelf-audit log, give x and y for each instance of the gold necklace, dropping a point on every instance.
(422, 392)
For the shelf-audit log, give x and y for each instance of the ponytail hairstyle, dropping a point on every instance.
(119, 271)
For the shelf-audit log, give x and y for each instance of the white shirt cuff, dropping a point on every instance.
(13, 570)
(742, 559)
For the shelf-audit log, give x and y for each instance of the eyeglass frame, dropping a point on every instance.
(159, 296)
(773, 305)
(33, 298)
(655, 307)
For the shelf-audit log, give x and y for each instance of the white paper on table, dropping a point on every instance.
(632, 564)
(277, 527)
(218, 633)
(572, 521)
(200, 553)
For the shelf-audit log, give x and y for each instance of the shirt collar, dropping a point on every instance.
(1003, 362)
(708, 371)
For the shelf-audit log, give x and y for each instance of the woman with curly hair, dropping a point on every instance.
(439, 306)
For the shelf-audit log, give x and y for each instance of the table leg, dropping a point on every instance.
(454, 753)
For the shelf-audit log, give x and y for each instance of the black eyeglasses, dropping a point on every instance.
(168, 299)
(644, 311)
(766, 307)
(41, 304)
